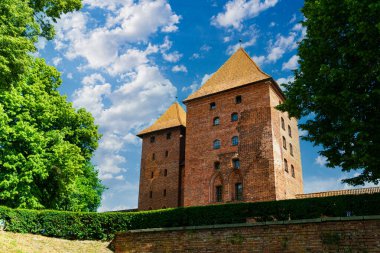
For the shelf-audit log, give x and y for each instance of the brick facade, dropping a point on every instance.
(236, 108)
(315, 236)
(260, 149)
(161, 164)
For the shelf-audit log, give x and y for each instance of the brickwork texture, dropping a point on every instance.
(333, 236)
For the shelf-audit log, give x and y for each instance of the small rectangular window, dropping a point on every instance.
(292, 170)
(151, 175)
(217, 165)
(238, 99)
(153, 156)
(291, 149)
(164, 192)
(166, 153)
(212, 106)
(238, 191)
(219, 193)
(169, 136)
(236, 163)
(165, 172)
(152, 139)
(150, 194)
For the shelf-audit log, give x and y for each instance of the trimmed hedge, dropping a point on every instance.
(102, 226)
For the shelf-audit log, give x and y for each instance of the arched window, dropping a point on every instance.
(216, 121)
(212, 106)
(283, 142)
(235, 141)
(289, 131)
(236, 163)
(291, 149)
(234, 116)
(217, 165)
(292, 170)
(282, 123)
(216, 144)
(219, 193)
(286, 165)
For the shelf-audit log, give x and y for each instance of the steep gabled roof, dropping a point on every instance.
(237, 71)
(173, 117)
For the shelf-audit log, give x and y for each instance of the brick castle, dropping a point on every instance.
(232, 145)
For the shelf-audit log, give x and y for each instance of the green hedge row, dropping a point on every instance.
(102, 226)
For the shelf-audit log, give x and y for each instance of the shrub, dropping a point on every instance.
(102, 226)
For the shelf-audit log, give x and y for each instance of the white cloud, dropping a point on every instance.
(111, 45)
(205, 48)
(292, 63)
(233, 48)
(179, 68)
(293, 19)
(259, 60)
(193, 87)
(281, 45)
(57, 61)
(272, 24)
(122, 112)
(303, 132)
(195, 56)
(69, 75)
(285, 80)
(172, 57)
(236, 11)
(319, 184)
(321, 160)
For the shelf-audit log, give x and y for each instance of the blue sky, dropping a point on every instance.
(126, 61)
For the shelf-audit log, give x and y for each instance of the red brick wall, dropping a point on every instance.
(260, 158)
(287, 186)
(159, 183)
(333, 236)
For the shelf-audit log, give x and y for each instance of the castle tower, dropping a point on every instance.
(238, 146)
(162, 160)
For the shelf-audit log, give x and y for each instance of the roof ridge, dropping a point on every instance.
(257, 66)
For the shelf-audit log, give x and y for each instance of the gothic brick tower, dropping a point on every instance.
(162, 160)
(238, 146)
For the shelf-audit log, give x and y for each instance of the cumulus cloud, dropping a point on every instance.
(292, 63)
(109, 46)
(179, 68)
(236, 11)
(57, 61)
(147, 92)
(285, 80)
(281, 45)
(321, 160)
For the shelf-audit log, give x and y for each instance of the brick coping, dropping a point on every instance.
(265, 223)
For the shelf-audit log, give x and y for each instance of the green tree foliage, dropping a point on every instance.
(337, 84)
(46, 146)
(22, 22)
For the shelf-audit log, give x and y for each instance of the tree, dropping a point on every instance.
(337, 84)
(21, 24)
(46, 146)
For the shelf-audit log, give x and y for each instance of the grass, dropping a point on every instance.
(29, 243)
